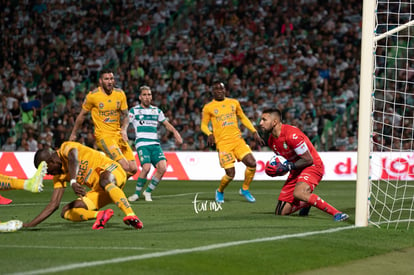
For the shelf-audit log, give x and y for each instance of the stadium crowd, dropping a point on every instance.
(300, 56)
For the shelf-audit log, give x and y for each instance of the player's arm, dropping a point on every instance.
(124, 124)
(73, 167)
(49, 209)
(78, 124)
(249, 125)
(305, 160)
(204, 128)
(177, 136)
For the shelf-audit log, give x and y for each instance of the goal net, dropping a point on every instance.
(387, 54)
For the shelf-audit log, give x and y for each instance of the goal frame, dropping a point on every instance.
(366, 95)
(365, 107)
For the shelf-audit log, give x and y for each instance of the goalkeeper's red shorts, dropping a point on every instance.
(311, 175)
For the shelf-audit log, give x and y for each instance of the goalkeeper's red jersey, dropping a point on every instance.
(292, 143)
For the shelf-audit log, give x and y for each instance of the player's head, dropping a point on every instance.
(107, 80)
(219, 91)
(145, 96)
(270, 119)
(54, 164)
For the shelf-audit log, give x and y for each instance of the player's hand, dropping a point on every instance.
(259, 139)
(72, 137)
(279, 169)
(211, 141)
(178, 139)
(271, 170)
(124, 135)
(78, 189)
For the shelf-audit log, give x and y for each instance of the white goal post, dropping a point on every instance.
(386, 116)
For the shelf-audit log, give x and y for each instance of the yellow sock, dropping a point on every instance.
(80, 214)
(9, 183)
(118, 197)
(225, 180)
(248, 177)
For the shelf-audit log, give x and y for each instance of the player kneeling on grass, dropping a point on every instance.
(303, 162)
(80, 165)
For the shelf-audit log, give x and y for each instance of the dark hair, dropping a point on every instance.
(218, 81)
(41, 155)
(273, 111)
(105, 71)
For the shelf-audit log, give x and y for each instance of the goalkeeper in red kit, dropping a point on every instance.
(303, 162)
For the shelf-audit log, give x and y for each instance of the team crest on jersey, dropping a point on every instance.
(216, 111)
(100, 105)
(285, 146)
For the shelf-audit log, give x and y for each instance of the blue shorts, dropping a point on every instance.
(150, 154)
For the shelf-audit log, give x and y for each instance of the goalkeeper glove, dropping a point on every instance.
(279, 169)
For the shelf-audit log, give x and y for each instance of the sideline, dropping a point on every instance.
(177, 252)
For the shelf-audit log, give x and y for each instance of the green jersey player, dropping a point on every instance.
(145, 118)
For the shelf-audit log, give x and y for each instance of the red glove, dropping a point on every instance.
(280, 169)
(271, 170)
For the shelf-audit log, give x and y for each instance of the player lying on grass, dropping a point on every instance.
(304, 164)
(81, 166)
(34, 185)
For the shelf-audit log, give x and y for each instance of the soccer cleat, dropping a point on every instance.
(4, 200)
(11, 226)
(147, 196)
(219, 196)
(304, 211)
(102, 218)
(339, 217)
(133, 221)
(35, 183)
(247, 195)
(133, 197)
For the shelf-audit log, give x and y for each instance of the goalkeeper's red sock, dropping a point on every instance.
(319, 203)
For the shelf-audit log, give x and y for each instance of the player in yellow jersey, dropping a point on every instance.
(224, 114)
(109, 111)
(81, 166)
(34, 185)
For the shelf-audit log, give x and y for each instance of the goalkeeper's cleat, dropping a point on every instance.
(304, 211)
(102, 218)
(133, 221)
(133, 197)
(10, 226)
(247, 195)
(219, 196)
(35, 183)
(339, 217)
(147, 196)
(4, 200)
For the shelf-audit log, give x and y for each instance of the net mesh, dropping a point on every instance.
(392, 157)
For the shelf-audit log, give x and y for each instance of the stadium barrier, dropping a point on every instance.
(205, 166)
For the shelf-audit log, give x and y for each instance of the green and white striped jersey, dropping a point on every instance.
(145, 122)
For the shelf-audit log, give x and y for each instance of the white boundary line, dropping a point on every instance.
(176, 252)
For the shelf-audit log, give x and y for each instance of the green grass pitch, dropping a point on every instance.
(181, 237)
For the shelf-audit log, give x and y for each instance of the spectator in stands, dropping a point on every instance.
(206, 37)
(10, 145)
(68, 85)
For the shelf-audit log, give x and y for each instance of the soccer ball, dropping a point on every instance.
(275, 159)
